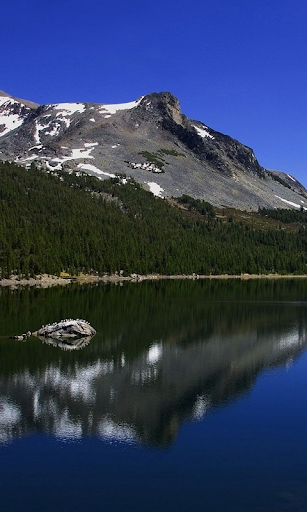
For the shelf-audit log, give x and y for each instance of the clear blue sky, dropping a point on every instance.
(239, 66)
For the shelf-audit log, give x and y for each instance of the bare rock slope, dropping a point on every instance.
(149, 139)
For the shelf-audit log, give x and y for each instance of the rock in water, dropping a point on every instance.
(66, 343)
(68, 328)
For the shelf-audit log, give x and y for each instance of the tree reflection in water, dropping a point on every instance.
(164, 352)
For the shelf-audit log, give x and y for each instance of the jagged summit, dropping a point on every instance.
(165, 103)
(149, 139)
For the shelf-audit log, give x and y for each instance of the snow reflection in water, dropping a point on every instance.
(145, 392)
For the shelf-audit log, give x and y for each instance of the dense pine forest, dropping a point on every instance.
(72, 222)
(286, 216)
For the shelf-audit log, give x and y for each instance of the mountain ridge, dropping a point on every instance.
(149, 139)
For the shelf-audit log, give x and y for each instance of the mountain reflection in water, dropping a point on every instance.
(163, 353)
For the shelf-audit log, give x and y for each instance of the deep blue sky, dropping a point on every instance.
(239, 66)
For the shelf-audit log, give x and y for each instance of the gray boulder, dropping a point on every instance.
(65, 329)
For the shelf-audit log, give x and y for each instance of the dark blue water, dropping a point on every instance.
(192, 396)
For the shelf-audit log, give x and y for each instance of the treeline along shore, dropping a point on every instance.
(67, 224)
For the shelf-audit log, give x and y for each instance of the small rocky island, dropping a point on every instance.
(66, 329)
(68, 333)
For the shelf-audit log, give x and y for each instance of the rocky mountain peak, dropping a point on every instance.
(167, 104)
(157, 107)
(149, 139)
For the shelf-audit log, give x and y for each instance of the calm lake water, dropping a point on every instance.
(191, 396)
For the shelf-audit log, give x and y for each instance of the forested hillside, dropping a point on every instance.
(77, 223)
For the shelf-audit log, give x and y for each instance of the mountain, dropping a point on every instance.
(149, 139)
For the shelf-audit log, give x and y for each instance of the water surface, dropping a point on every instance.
(190, 396)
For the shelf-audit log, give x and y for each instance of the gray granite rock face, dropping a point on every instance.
(66, 329)
(148, 139)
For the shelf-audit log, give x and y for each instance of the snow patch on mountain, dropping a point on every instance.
(291, 177)
(75, 155)
(13, 121)
(39, 146)
(29, 158)
(10, 117)
(57, 167)
(6, 99)
(48, 126)
(203, 132)
(56, 162)
(90, 144)
(93, 168)
(38, 128)
(69, 108)
(112, 109)
(155, 189)
(56, 128)
(289, 202)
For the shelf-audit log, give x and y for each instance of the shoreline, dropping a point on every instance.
(46, 281)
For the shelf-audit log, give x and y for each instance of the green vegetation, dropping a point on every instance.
(158, 159)
(171, 152)
(77, 223)
(197, 205)
(285, 216)
(153, 158)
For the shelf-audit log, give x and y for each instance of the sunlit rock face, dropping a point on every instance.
(66, 329)
(149, 139)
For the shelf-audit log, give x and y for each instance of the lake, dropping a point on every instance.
(191, 396)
